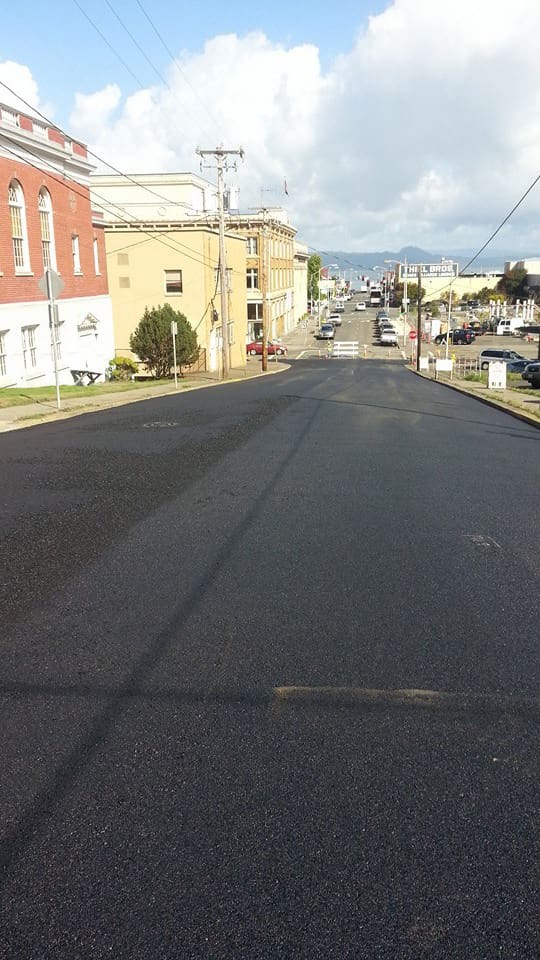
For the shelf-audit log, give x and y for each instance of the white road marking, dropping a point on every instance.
(481, 540)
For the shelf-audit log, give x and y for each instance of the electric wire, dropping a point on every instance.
(91, 153)
(131, 223)
(174, 60)
(109, 45)
(136, 43)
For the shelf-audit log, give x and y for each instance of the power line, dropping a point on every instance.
(151, 235)
(110, 46)
(136, 43)
(501, 225)
(178, 67)
(91, 153)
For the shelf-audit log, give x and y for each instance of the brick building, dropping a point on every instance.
(46, 220)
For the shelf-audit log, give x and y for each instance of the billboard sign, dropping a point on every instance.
(438, 271)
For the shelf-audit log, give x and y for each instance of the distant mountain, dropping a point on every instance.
(366, 261)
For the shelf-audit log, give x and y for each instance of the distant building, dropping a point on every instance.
(531, 266)
(300, 303)
(46, 220)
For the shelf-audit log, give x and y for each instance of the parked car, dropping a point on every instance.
(517, 366)
(457, 336)
(388, 337)
(532, 373)
(382, 315)
(326, 332)
(335, 318)
(360, 305)
(256, 347)
(492, 354)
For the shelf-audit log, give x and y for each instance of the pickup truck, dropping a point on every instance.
(388, 337)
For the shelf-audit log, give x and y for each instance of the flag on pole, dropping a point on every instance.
(285, 187)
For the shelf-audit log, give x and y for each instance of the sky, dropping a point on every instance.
(412, 122)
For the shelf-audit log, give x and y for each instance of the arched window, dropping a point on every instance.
(18, 227)
(47, 230)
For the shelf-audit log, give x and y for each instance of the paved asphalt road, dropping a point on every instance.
(217, 608)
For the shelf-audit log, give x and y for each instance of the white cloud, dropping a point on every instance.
(426, 132)
(18, 78)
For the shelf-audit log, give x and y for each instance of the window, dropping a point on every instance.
(3, 354)
(75, 253)
(173, 281)
(96, 257)
(255, 311)
(122, 259)
(29, 347)
(124, 283)
(18, 227)
(252, 278)
(251, 247)
(47, 237)
(254, 318)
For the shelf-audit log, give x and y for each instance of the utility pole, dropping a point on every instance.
(264, 292)
(405, 305)
(221, 157)
(419, 319)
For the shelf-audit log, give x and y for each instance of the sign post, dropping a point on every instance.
(174, 331)
(51, 284)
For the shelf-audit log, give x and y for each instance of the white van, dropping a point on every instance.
(506, 328)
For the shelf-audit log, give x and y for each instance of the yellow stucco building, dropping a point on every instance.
(150, 264)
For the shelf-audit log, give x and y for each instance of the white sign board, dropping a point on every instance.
(497, 375)
(424, 363)
(174, 328)
(443, 366)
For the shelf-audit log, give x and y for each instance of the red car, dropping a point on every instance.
(255, 348)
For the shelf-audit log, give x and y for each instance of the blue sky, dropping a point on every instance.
(65, 52)
(394, 122)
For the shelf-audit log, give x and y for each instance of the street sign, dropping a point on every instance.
(174, 328)
(412, 334)
(54, 286)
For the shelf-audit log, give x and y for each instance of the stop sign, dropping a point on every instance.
(412, 334)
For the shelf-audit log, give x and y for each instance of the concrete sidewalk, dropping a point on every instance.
(32, 413)
(524, 406)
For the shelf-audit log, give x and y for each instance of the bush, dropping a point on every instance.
(122, 368)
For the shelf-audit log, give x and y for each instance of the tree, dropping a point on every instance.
(412, 293)
(514, 284)
(314, 271)
(153, 343)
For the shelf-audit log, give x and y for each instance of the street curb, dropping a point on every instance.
(498, 404)
(67, 414)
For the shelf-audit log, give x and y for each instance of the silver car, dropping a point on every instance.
(326, 332)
